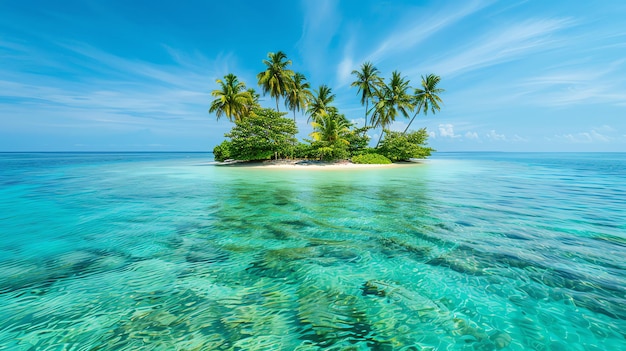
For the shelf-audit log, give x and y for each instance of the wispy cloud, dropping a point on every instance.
(519, 139)
(578, 84)
(119, 68)
(494, 136)
(346, 66)
(472, 136)
(10, 47)
(417, 27)
(321, 24)
(414, 27)
(576, 138)
(502, 45)
(101, 91)
(506, 67)
(592, 136)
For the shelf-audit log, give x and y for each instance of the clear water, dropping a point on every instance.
(167, 252)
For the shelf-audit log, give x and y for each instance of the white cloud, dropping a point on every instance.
(518, 139)
(360, 122)
(447, 131)
(576, 138)
(605, 129)
(492, 135)
(398, 126)
(600, 137)
(592, 136)
(472, 136)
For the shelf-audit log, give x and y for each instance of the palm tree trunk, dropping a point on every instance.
(380, 138)
(415, 115)
(366, 108)
(277, 110)
(294, 136)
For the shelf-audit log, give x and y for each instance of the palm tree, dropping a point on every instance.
(298, 95)
(330, 128)
(368, 82)
(232, 99)
(322, 98)
(392, 99)
(254, 100)
(255, 96)
(427, 97)
(276, 79)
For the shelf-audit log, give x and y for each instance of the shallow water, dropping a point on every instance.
(468, 251)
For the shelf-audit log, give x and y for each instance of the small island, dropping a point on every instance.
(308, 164)
(265, 134)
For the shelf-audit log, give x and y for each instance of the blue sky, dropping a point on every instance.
(137, 75)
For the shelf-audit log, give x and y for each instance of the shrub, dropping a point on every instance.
(371, 159)
(330, 151)
(262, 135)
(302, 150)
(222, 151)
(369, 150)
(402, 147)
(358, 141)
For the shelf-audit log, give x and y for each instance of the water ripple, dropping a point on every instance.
(127, 252)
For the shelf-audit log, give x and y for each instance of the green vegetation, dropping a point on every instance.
(390, 100)
(370, 159)
(222, 151)
(299, 95)
(232, 99)
(330, 131)
(263, 133)
(276, 79)
(426, 97)
(368, 83)
(358, 140)
(304, 150)
(321, 101)
(401, 147)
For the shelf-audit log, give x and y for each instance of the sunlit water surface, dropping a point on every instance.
(168, 252)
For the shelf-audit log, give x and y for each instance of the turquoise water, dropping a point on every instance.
(468, 251)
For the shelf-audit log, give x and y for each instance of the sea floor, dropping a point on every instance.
(165, 252)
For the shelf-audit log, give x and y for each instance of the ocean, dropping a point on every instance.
(166, 251)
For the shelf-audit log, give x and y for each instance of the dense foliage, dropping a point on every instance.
(402, 147)
(368, 83)
(304, 150)
(330, 131)
(262, 135)
(277, 79)
(370, 159)
(391, 100)
(330, 151)
(358, 140)
(232, 99)
(222, 151)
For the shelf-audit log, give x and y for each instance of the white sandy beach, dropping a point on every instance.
(314, 165)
